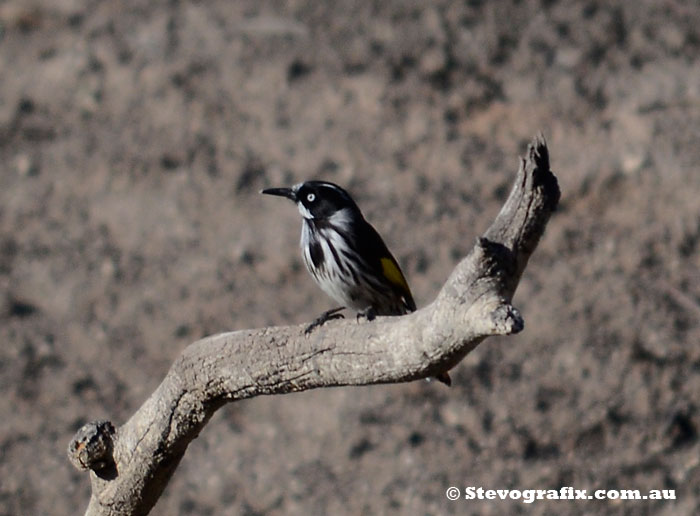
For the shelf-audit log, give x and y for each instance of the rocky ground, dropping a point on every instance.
(135, 135)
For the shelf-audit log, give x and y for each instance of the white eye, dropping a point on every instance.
(311, 197)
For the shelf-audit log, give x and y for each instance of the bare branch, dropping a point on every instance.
(473, 304)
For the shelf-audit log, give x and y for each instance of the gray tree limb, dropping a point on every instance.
(131, 465)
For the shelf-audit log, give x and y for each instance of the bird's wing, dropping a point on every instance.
(371, 244)
(392, 272)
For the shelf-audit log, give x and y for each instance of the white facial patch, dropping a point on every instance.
(341, 218)
(304, 211)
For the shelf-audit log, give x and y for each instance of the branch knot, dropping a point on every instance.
(92, 446)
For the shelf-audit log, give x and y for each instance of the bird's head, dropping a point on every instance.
(317, 200)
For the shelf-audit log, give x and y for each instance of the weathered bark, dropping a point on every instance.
(130, 466)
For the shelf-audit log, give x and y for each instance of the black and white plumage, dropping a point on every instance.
(345, 255)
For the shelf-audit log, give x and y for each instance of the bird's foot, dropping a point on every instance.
(368, 313)
(326, 316)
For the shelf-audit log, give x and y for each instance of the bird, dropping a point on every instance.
(346, 256)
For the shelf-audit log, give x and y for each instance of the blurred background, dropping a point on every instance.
(135, 136)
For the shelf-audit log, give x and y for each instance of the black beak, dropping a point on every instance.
(281, 192)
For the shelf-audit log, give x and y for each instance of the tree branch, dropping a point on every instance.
(130, 466)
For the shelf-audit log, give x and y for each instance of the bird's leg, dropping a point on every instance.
(368, 313)
(326, 316)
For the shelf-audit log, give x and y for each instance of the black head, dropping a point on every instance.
(317, 199)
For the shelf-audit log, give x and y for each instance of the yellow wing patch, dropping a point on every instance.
(393, 274)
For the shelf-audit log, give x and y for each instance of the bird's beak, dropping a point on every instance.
(281, 192)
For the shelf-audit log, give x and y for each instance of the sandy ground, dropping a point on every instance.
(135, 135)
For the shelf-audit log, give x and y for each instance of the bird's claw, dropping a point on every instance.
(326, 316)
